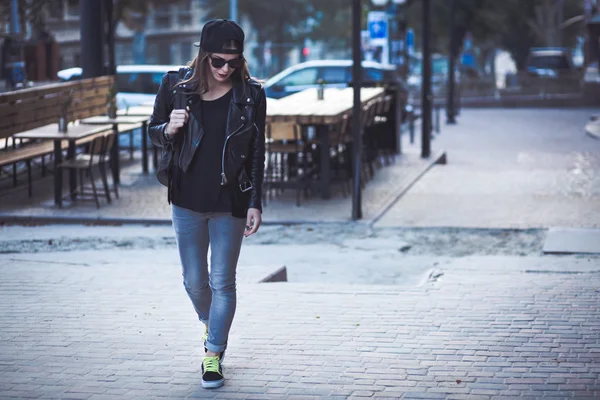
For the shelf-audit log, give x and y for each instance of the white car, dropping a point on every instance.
(333, 74)
(136, 84)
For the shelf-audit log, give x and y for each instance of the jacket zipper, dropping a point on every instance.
(223, 177)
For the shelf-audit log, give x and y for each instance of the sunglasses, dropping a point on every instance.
(218, 62)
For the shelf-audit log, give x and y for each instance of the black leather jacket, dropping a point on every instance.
(243, 156)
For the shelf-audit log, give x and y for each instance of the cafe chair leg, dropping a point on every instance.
(94, 191)
(81, 180)
(105, 182)
(131, 144)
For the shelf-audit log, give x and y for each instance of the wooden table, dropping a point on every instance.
(115, 122)
(305, 109)
(74, 133)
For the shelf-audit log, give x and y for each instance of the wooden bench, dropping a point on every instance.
(37, 107)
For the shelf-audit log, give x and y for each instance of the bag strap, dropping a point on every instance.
(178, 102)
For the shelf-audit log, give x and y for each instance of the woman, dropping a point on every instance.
(210, 120)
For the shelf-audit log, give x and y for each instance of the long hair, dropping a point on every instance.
(200, 65)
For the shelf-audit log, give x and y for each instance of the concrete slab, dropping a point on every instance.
(571, 240)
(593, 128)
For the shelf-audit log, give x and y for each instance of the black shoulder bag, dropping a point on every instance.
(165, 169)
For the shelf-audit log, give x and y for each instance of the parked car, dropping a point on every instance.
(550, 63)
(136, 84)
(333, 74)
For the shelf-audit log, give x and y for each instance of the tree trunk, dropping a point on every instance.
(279, 43)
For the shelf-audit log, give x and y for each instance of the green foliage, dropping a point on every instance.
(512, 25)
(283, 23)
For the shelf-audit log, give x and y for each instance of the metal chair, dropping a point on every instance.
(287, 163)
(86, 163)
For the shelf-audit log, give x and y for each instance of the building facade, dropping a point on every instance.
(163, 35)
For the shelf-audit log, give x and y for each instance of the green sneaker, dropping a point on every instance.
(205, 338)
(212, 374)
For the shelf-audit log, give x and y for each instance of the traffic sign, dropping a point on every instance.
(377, 23)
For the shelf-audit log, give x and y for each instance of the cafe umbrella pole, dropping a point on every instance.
(356, 110)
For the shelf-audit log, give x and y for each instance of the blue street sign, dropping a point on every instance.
(410, 39)
(377, 24)
(468, 60)
(378, 29)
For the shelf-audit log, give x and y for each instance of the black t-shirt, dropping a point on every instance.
(199, 189)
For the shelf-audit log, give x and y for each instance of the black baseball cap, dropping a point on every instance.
(216, 35)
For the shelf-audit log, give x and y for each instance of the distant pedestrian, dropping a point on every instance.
(209, 118)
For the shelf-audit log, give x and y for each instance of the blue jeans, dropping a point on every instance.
(213, 294)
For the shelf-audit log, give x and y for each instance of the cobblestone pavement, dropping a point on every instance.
(509, 169)
(494, 327)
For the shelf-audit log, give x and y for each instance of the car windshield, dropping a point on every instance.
(549, 62)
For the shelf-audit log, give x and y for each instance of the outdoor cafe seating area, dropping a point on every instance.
(64, 131)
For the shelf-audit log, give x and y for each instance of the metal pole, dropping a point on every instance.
(426, 85)
(233, 10)
(110, 38)
(451, 108)
(14, 20)
(92, 40)
(356, 109)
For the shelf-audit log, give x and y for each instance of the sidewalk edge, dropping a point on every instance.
(439, 158)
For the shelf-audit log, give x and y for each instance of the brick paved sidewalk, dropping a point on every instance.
(490, 327)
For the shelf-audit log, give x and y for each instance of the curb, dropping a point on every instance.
(279, 275)
(51, 220)
(439, 158)
(593, 129)
(10, 219)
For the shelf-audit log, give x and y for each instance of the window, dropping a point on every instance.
(139, 82)
(162, 21)
(55, 9)
(73, 8)
(334, 75)
(549, 62)
(184, 20)
(371, 75)
(303, 77)
(162, 16)
(156, 81)
(183, 11)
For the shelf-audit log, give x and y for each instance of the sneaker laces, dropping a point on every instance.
(211, 364)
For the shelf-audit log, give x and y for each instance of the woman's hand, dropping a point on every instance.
(253, 221)
(177, 119)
